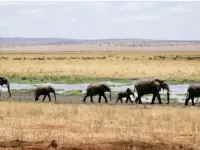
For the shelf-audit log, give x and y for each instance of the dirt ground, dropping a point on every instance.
(66, 99)
(122, 145)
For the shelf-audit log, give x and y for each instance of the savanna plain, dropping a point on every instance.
(33, 125)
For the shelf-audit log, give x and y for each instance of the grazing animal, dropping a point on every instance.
(193, 91)
(126, 94)
(151, 86)
(97, 88)
(44, 90)
(4, 80)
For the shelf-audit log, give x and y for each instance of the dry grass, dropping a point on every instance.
(115, 65)
(108, 126)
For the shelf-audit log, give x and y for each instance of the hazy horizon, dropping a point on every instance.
(101, 20)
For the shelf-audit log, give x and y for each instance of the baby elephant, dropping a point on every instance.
(126, 94)
(44, 90)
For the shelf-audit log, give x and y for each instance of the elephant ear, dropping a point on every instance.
(161, 81)
(154, 81)
(156, 84)
(128, 90)
(2, 80)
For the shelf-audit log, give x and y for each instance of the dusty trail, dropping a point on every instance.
(77, 99)
(117, 145)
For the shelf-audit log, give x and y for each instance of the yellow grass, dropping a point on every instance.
(113, 66)
(80, 124)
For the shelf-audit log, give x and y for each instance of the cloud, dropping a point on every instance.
(66, 20)
(30, 11)
(3, 23)
(9, 3)
(143, 17)
(188, 7)
(135, 6)
(97, 6)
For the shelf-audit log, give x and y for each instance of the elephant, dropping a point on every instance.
(4, 80)
(126, 94)
(44, 90)
(193, 91)
(97, 88)
(151, 86)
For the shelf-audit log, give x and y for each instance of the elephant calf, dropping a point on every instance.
(126, 94)
(44, 90)
(193, 91)
(97, 88)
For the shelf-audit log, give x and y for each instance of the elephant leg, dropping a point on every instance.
(139, 98)
(130, 99)
(99, 98)
(136, 100)
(127, 99)
(36, 98)
(159, 99)
(84, 99)
(91, 99)
(121, 100)
(117, 99)
(153, 98)
(105, 98)
(187, 100)
(49, 96)
(193, 101)
(140, 101)
(44, 97)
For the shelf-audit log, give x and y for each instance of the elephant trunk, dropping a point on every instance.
(55, 95)
(168, 94)
(8, 86)
(168, 97)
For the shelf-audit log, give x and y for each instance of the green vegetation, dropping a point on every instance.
(22, 91)
(33, 79)
(74, 92)
(181, 81)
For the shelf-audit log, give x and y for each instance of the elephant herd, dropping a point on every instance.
(142, 87)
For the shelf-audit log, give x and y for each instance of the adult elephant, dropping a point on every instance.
(193, 91)
(4, 80)
(97, 88)
(151, 86)
(44, 90)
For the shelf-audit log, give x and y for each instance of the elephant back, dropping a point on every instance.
(194, 87)
(94, 88)
(144, 86)
(42, 88)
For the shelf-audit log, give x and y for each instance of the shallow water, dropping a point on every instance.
(178, 91)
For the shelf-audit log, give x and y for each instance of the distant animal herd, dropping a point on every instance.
(142, 87)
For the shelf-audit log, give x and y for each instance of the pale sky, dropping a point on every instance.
(98, 20)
